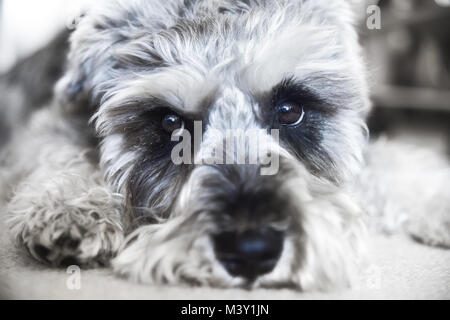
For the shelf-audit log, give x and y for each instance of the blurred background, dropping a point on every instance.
(408, 58)
(409, 61)
(27, 25)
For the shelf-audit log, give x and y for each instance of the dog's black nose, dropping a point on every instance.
(250, 253)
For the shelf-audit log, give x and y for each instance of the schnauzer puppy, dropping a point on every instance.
(94, 178)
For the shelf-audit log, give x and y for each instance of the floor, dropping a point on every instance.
(399, 269)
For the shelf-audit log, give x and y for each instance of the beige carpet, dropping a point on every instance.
(400, 269)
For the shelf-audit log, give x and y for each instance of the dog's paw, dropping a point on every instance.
(432, 229)
(74, 237)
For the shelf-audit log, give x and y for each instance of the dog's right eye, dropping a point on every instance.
(172, 122)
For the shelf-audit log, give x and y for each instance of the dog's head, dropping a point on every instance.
(285, 75)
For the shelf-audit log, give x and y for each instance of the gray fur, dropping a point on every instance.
(221, 62)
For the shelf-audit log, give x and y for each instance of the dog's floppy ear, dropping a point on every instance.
(105, 30)
(87, 66)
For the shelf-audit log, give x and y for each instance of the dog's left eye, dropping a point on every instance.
(171, 123)
(290, 114)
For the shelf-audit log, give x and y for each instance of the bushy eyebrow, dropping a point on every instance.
(146, 91)
(150, 104)
(293, 90)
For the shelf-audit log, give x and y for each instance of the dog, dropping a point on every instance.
(91, 179)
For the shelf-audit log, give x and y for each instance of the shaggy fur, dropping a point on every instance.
(226, 63)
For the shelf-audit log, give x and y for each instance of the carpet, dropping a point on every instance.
(399, 269)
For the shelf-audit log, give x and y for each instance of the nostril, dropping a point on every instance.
(250, 253)
(232, 265)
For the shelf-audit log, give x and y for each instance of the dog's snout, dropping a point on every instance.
(250, 253)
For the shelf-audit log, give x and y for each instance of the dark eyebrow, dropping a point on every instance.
(292, 90)
(137, 109)
(137, 106)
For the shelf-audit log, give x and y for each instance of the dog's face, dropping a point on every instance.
(289, 69)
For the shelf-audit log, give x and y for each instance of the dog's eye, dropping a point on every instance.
(290, 114)
(172, 122)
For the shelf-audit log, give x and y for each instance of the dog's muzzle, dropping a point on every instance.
(249, 253)
(250, 218)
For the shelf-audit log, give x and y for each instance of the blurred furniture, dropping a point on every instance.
(409, 63)
(410, 54)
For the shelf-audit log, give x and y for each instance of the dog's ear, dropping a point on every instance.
(86, 66)
(108, 34)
